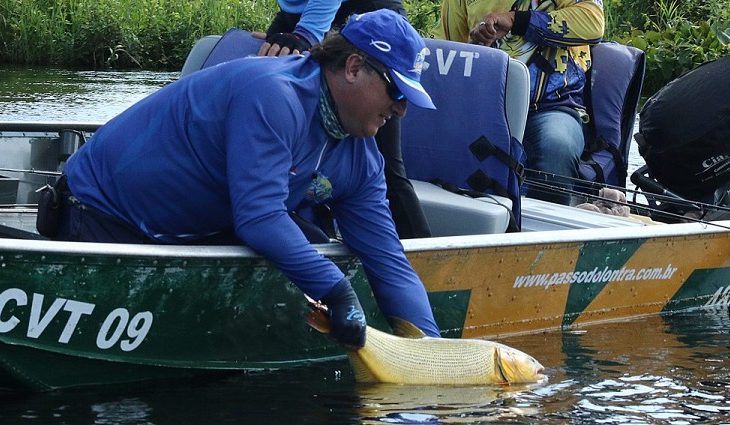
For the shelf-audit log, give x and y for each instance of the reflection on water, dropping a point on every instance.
(653, 370)
(124, 411)
(57, 95)
(388, 403)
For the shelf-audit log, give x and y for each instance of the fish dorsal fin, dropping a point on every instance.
(405, 329)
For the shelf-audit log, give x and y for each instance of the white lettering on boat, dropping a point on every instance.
(20, 300)
(137, 329)
(110, 334)
(595, 276)
(721, 297)
(445, 60)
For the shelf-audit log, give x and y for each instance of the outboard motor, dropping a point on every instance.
(684, 134)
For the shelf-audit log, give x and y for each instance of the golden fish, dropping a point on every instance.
(414, 358)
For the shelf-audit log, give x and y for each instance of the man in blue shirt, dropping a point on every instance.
(298, 26)
(226, 152)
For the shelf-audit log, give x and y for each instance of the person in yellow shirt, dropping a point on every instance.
(552, 37)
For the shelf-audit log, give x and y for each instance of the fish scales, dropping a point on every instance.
(427, 360)
(418, 359)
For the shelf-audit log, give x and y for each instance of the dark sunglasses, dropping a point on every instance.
(390, 86)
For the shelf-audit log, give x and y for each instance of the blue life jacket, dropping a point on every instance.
(473, 139)
(612, 94)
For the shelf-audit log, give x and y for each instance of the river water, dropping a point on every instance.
(651, 370)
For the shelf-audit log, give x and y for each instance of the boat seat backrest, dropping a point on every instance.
(473, 139)
(612, 96)
(199, 54)
(214, 49)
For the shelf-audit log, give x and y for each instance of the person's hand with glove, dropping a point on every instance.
(348, 317)
(284, 43)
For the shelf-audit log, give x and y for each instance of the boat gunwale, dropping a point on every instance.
(412, 246)
(48, 126)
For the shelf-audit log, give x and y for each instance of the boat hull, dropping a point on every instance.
(76, 314)
(542, 280)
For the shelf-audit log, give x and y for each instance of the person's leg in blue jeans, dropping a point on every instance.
(553, 142)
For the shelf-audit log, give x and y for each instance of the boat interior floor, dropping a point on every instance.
(10, 232)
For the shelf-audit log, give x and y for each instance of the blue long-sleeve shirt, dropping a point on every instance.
(236, 146)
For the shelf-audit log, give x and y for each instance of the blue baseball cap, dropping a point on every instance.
(391, 40)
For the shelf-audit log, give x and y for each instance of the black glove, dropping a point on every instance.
(348, 317)
(283, 22)
(289, 39)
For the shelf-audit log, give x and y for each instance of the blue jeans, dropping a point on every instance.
(553, 142)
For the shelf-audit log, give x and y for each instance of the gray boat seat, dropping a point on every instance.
(451, 214)
(198, 54)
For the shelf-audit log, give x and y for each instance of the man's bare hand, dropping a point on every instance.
(266, 47)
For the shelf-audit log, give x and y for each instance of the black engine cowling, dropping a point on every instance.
(684, 132)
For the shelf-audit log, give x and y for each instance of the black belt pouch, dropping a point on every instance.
(49, 210)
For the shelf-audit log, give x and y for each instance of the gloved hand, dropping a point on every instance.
(291, 40)
(348, 317)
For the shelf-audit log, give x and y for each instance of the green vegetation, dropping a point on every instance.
(150, 34)
(157, 34)
(676, 35)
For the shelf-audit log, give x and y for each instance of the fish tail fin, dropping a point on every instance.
(317, 317)
(319, 320)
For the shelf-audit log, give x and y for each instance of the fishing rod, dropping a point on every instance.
(551, 188)
(32, 171)
(695, 205)
(585, 184)
(656, 191)
(548, 188)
